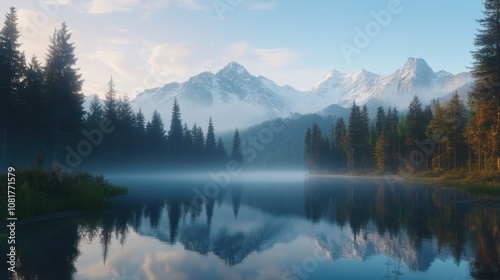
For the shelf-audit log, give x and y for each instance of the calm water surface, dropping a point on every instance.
(292, 227)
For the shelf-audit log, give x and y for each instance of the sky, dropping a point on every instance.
(148, 43)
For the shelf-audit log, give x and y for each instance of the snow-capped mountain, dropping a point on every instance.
(235, 98)
(231, 92)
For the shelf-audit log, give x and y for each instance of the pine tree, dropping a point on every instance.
(33, 98)
(95, 114)
(210, 142)
(393, 138)
(221, 151)
(175, 136)
(198, 142)
(63, 86)
(486, 71)
(110, 102)
(236, 151)
(155, 135)
(12, 67)
(438, 132)
(366, 150)
(380, 120)
(355, 139)
(340, 143)
(139, 137)
(415, 131)
(308, 155)
(187, 142)
(381, 153)
(140, 124)
(455, 114)
(125, 131)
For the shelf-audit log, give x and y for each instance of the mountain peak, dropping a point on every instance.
(416, 63)
(234, 67)
(416, 67)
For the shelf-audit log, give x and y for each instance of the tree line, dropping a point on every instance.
(41, 112)
(430, 137)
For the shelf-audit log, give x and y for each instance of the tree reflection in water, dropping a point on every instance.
(404, 221)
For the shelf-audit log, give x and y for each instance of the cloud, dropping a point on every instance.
(115, 59)
(60, 2)
(261, 5)
(169, 58)
(111, 6)
(237, 50)
(149, 7)
(276, 57)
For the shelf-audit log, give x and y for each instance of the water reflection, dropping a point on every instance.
(261, 230)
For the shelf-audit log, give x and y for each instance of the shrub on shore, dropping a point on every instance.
(39, 191)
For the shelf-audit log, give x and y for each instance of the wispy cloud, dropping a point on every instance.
(110, 6)
(276, 57)
(115, 59)
(148, 7)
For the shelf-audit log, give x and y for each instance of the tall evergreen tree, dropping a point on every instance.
(392, 138)
(221, 150)
(187, 142)
(175, 136)
(367, 150)
(415, 131)
(381, 153)
(486, 71)
(380, 120)
(63, 86)
(210, 147)
(355, 139)
(308, 151)
(340, 143)
(12, 67)
(155, 135)
(95, 113)
(140, 123)
(110, 102)
(456, 117)
(125, 131)
(33, 98)
(236, 151)
(438, 132)
(198, 141)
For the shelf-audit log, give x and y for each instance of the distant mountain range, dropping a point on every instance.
(235, 98)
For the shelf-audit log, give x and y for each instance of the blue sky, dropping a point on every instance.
(147, 43)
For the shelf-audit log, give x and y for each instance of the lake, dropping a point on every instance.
(284, 226)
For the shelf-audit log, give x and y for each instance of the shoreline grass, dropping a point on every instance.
(479, 183)
(39, 191)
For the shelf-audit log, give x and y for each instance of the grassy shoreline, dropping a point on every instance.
(480, 183)
(39, 191)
